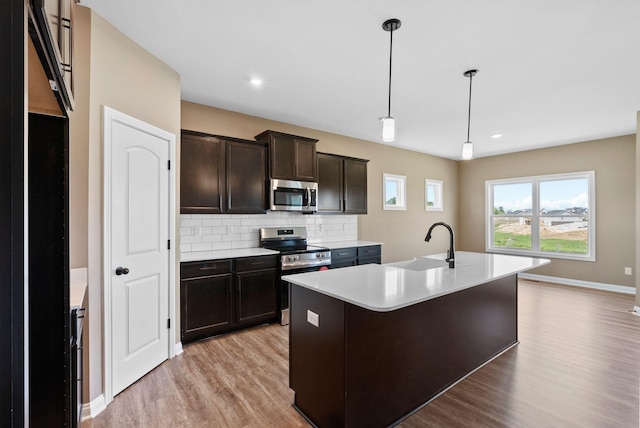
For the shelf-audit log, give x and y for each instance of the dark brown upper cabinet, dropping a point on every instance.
(291, 157)
(221, 175)
(51, 30)
(342, 184)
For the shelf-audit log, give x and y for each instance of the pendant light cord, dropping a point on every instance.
(469, 116)
(390, 57)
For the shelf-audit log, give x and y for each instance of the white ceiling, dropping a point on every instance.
(551, 72)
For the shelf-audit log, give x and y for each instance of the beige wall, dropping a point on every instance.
(121, 75)
(612, 159)
(402, 232)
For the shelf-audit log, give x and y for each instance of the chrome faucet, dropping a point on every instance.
(451, 257)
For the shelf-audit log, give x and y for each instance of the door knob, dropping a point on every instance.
(122, 270)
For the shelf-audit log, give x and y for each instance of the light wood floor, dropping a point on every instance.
(577, 365)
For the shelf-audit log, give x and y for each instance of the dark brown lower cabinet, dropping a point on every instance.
(344, 257)
(353, 256)
(362, 368)
(221, 296)
(255, 296)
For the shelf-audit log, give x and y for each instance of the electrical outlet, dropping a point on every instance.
(313, 318)
(628, 271)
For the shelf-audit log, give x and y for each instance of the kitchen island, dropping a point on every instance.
(371, 344)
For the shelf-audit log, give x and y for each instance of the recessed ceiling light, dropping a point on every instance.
(256, 81)
(496, 135)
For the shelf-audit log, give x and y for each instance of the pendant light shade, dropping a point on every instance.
(388, 129)
(388, 122)
(467, 150)
(467, 147)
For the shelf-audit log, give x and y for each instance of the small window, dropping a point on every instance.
(394, 192)
(548, 216)
(433, 195)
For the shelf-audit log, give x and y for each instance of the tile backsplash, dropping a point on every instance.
(209, 232)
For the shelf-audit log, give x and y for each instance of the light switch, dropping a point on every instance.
(313, 318)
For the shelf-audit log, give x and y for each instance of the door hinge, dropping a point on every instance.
(169, 164)
(168, 322)
(169, 244)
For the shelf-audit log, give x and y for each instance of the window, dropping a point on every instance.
(433, 195)
(394, 190)
(548, 216)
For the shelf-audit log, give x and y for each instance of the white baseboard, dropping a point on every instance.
(579, 283)
(178, 348)
(94, 408)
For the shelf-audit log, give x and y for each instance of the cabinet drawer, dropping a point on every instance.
(343, 253)
(371, 251)
(197, 269)
(255, 263)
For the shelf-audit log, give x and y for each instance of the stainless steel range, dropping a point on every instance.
(295, 257)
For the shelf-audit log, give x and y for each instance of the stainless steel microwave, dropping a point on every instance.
(288, 195)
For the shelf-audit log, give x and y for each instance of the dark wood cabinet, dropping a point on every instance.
(344, 257)
(353, 256)
(246, 174)
(369, 254)
(330, 183)
(206, 299)
(342, 184)
(51, 29)
(49, 339)
(355, 186)
(202, 178)
(291, 157)
(225, 295)
(221, 175)
(257, 282)
(77, 351)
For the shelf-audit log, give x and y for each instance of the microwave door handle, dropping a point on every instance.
(308, 198)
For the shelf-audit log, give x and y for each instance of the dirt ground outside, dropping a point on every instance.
(562, 231)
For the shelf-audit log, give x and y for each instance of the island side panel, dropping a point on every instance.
(397, 361)
(316, 357)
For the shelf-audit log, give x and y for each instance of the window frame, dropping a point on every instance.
(438, 187)
(400, 181)
(536, 216)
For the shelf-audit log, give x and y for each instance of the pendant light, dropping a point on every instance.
(388, 122)
(467, 147)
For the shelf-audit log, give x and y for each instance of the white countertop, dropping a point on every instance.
(77, 287)
(347, 244)
(225, 254)
(388, 287)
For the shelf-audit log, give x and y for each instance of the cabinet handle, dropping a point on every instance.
(257, 263)
(209, 268)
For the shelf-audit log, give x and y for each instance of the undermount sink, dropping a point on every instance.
(420, 264)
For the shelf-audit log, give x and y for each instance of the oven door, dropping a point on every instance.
(285, 288)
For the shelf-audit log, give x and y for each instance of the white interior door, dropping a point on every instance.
(139, 200)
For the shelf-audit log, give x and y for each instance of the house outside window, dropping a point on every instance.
(547, 215)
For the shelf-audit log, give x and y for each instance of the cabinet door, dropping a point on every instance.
(344, 257)
(369, 254)
(306, 161)
(206, 306)
(355, 186)
(246, 177)
(282, 155)
(329, 183)
(201, 174)
(257, 296)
